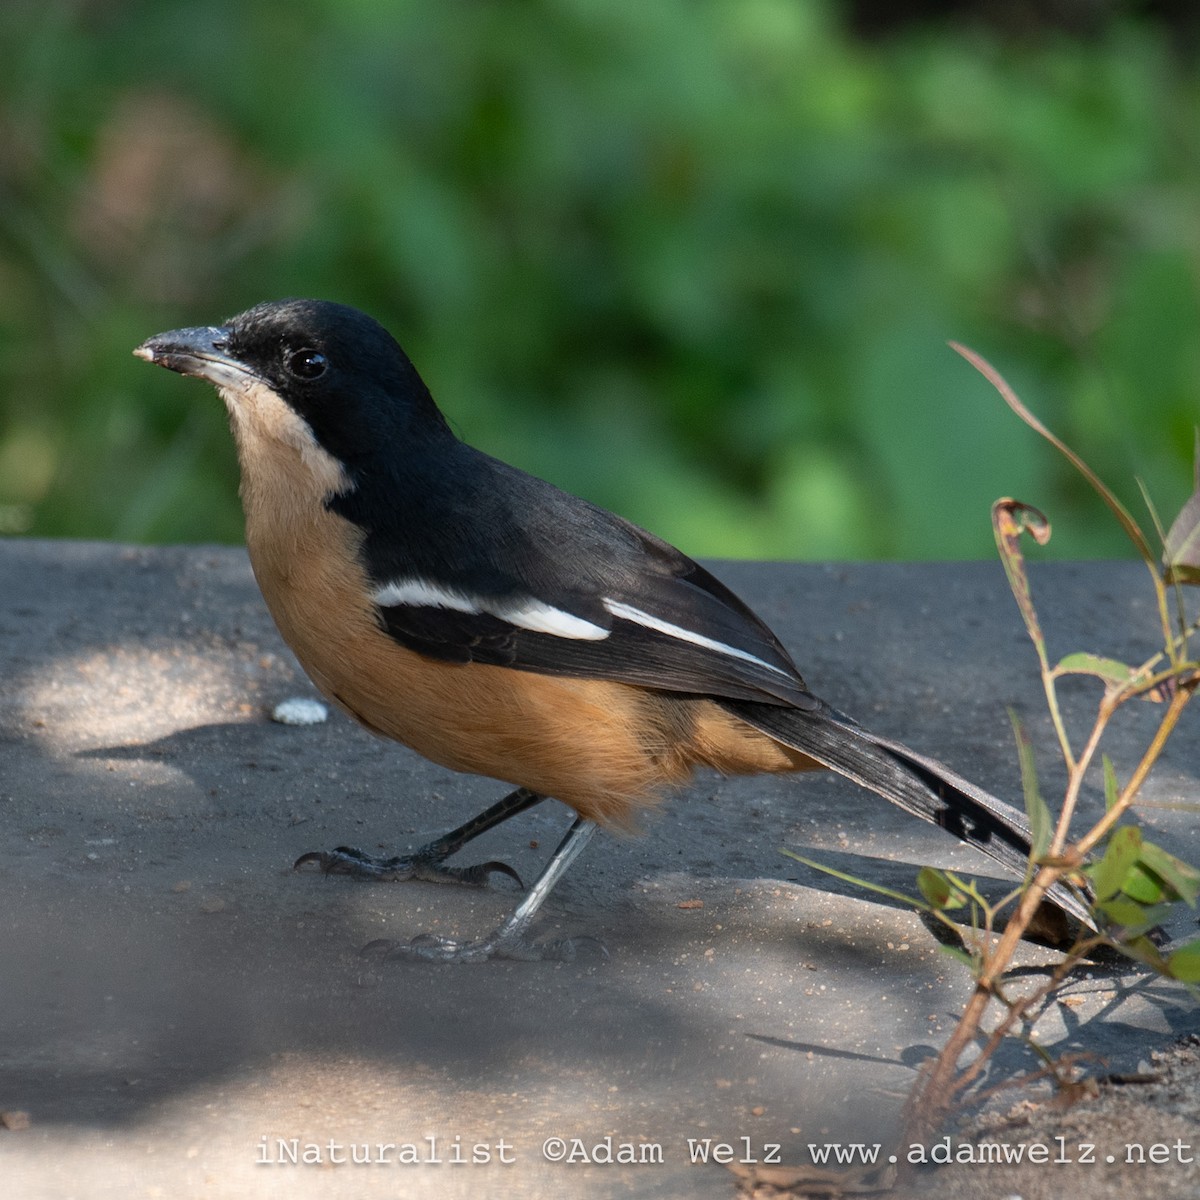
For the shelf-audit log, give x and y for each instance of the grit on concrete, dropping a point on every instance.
(178, 1003)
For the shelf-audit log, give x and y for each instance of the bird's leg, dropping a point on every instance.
(509, 939)
(429, 862)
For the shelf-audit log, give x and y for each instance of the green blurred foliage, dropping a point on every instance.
(695, 259)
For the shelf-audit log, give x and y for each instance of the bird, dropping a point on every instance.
(501, 626)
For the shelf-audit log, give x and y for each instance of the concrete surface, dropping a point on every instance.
(175, 1000)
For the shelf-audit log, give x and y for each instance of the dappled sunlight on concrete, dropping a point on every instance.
(128, 691)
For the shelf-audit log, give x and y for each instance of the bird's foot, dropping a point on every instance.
(502, 943)
(427, 864)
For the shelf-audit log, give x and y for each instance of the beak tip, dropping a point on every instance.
(199, 352)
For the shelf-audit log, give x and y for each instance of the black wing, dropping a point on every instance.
(491, 541)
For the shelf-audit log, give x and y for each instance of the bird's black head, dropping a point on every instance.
(335, 368)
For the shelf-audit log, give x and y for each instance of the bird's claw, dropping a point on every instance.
(347, 860)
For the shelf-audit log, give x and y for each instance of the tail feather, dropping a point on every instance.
(919, 785)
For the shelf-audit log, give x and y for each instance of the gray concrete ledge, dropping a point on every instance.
(172, 992)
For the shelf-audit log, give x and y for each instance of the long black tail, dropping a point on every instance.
(921, 786)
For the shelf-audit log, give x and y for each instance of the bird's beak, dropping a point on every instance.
(202, 352)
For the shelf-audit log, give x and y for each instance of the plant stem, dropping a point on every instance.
(1130, 791)
(928, 1103)
(1078, 770)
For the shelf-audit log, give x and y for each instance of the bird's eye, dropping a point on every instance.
(307, 364)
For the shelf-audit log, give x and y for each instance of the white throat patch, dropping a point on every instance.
(263, 422)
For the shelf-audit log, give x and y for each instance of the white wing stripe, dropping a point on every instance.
(627, 612)
(418, 594)
(525, 613)
(539, 617)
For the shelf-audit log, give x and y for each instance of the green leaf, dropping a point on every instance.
(1182, 551)
(936, 887)
(1041, 824)
(1112, 790)
(1134, 918)
(1145, 886)
(1184, 963)
(1145, 951)
(959, 955)
(1093, 664)
(1183, 877)
(865, 884)
(1121, 853)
